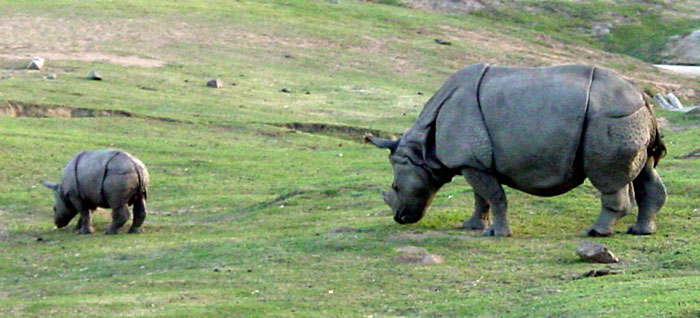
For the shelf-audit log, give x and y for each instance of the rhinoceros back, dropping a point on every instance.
(535, 118)
(84, 174)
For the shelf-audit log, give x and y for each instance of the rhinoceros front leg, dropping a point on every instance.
(615, 205)
(119, 216)
(85, 222)
(487, 187)
(480, 219)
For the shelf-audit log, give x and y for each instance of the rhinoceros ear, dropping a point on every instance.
(50, 185)
(383, 143)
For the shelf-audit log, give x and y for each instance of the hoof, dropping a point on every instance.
(136, 230)
(595, 233)
(473, 223)
(111, 232)
(501, 231)
(649, 229)
(86, 231)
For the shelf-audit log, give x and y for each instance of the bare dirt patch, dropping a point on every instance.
(356, 134)
(12, 108)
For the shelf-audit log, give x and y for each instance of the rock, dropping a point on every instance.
(93, 75)
(692, 111)
(442, 42)
(6, 76)
(36, 63)
(673, 100)
(601, 29)
(683, 50)
(215, 83)
(594, 252)
(663, 102)
(285, 90)
(51, 76)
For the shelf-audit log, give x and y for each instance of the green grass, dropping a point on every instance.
(241, 212)
(639, 28)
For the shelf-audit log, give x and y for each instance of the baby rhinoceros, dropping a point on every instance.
(101, 178)
(539, 130)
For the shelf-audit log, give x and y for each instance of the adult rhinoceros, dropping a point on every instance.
(539, 130)
(101, 178)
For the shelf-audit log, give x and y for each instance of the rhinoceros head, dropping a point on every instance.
(413, 187)
(63, 210)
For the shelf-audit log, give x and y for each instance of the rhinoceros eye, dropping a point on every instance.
(394, 187)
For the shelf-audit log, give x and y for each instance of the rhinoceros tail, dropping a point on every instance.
(657, 147)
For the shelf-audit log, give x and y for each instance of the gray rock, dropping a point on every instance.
(36, 63)
(94, 76)
(51, 76)
(594, 252)
(600, 29)
(692, 111)
(6, 76)
(673, 100)
(663, 102)
(683, 50)
(215, 83)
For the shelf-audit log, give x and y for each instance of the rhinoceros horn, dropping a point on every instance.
(383, 143)
(50, 185)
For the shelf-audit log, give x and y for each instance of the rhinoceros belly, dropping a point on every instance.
(535, 118)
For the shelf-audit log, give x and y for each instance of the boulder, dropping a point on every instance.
(215, 83)
(594, 252)
(93, 75)
(673, 100)
(36, 63)
(683, 50)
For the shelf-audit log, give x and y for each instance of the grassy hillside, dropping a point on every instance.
(636, 28)
(246, 216)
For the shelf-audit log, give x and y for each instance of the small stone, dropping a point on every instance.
(420, 258)
(442, 42)
(595, 252)
(419, 93)
(39, 239)
(36, 63)
(288, 56)
(285, 90)
(51, 76)
(217, 269)
(215, 83)
(6, 76)
(94, 76)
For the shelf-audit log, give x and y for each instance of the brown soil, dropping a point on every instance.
(12, 108)
(351, 133)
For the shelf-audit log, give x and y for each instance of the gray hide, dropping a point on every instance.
(539, 130)
(108, 178)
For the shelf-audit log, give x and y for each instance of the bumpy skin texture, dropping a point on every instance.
(539, 130)
(102, 178)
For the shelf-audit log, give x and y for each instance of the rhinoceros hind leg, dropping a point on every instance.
(119, 216)
(139, 216)
(651, 195)
(488, 187)
(615, 205)
(480, 219)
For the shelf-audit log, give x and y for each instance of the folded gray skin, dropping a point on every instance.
(107, 178)
(539, 130)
